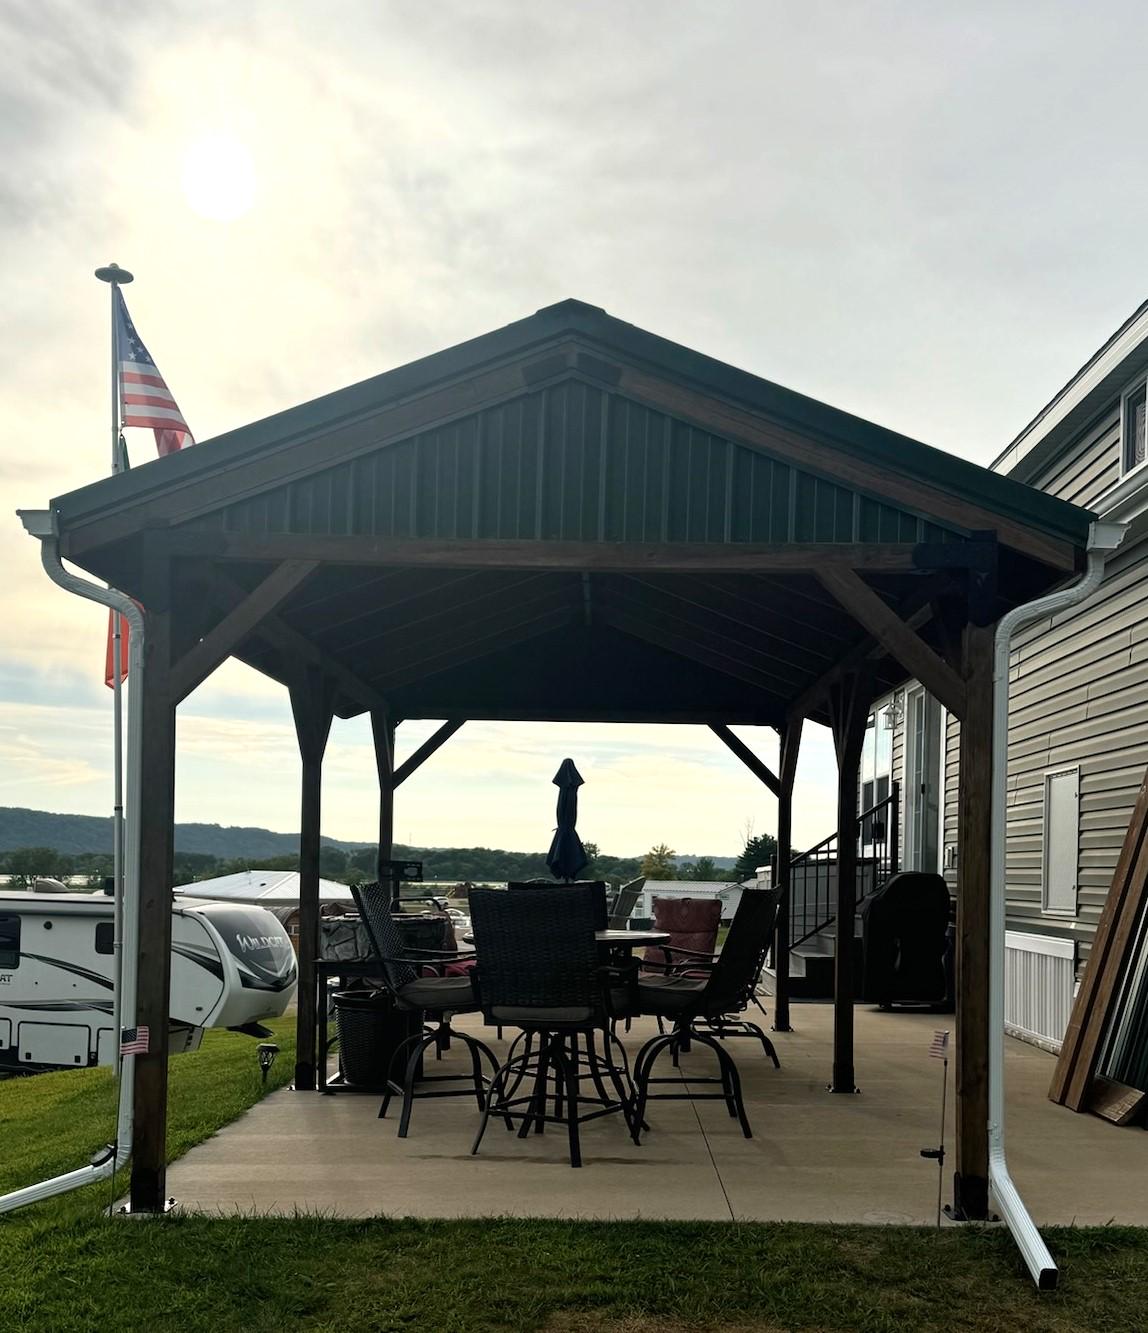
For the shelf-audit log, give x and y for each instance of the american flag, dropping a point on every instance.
(134, 1041)
(145, 400)
(939, 1046)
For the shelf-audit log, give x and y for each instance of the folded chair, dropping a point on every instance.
(437, 997)
(539, 970)
(687, 1001)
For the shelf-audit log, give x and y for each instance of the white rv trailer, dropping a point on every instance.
(231, 965)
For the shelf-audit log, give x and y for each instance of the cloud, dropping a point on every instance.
(905, 210)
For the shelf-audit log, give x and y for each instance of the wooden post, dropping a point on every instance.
(849, 706)
(156, 833)
(383, 732)
(970, 1183)
(790, 744)
(312, 699)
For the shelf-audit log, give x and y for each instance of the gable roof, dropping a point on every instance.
(525, 342)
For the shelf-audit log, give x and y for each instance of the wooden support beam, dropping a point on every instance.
(156, 835)
(298, 647)
(761, 771)
(974, 819)
(790, 745)
(426, 749)
(312, 705)
(867, 650)
(217, 644)
(875, 615)
(849, 704)
(592, 556)
(383, 735)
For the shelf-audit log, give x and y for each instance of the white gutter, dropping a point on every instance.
(1103, 539)
(41, 524)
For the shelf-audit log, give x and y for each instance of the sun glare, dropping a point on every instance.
(219, 178)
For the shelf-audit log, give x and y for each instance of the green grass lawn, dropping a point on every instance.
(64, 1265)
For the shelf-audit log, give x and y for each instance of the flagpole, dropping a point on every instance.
(115, 276)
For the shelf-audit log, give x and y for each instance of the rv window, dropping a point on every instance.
(9, 941)
(105, 937)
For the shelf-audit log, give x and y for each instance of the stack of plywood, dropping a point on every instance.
(1075, 1083)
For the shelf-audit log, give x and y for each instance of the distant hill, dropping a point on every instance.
(720, 862)
(76, 834)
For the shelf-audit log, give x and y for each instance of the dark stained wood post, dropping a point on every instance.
(970, 1182)
(156, 833)
(383, 733)
(790, 744)
(849, 705)
(312, 698)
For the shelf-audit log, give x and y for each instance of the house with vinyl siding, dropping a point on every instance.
(1078, 711)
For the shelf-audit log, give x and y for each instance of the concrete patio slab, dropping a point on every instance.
(814, 1156)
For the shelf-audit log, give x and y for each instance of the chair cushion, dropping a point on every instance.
(692, 923)
(539, 1016)
(446, 994)
(670, 995)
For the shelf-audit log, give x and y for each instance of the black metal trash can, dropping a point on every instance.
(370, 1028)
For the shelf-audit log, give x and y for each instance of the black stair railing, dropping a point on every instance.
(813, 874)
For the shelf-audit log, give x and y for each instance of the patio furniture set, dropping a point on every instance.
(551, 963)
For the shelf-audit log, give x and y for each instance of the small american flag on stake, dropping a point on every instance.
(145, 400)
(939, 1046)
(134, 1041)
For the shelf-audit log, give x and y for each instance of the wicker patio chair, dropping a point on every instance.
(437, 997)
(539, 970)
(690, 1002)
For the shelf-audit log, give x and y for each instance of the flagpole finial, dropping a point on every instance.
(114, 274)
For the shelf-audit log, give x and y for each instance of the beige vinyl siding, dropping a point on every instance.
(952, 773)
(1079, 696)
(1089, 467)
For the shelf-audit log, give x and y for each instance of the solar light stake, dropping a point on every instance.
(939, 1050)
(266, 1051)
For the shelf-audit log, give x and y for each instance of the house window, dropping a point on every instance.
(9, 942)
(1133, 421)
(1061, 840)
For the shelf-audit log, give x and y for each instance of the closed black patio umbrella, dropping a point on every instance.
(567, 856)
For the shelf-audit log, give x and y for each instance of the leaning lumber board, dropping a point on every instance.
(1107, 959)
(1115, 1101)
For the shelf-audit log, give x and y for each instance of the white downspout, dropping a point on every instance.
(41, 524)
(1103, 539)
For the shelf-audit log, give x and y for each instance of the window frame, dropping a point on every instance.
(19, 920)
(1062, 913)
(1134, 386)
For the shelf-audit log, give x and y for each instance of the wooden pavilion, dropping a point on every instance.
(572, 519)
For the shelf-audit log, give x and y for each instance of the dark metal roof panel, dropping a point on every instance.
(852, 435)
(574, 462)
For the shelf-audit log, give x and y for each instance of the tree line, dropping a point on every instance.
(460, 864)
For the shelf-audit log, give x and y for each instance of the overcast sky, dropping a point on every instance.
(929, 216)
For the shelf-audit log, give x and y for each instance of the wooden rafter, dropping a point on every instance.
(298, 647)
(504, 635)
(695, 648)
(426, 749)
(218, 643)
(873, 613)
(756, 766)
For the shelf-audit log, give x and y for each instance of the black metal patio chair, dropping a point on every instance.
(539, 970)
(693, 1003)
(437, 997)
